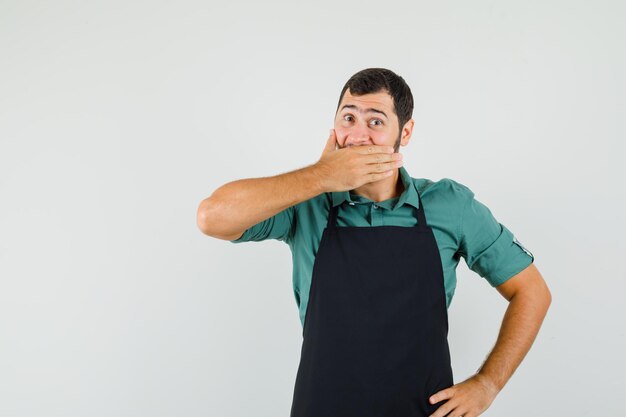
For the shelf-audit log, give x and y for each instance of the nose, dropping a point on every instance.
(357, 135)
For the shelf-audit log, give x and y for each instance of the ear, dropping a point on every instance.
(407, 130)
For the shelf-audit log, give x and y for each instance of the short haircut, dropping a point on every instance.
(374, 80)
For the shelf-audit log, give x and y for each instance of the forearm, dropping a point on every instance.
(520, 325)
(238, 205)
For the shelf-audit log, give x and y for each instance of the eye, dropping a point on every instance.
(347, 115)
(378, 120)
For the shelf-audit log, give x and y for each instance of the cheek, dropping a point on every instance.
(341, 134)
(380, 139)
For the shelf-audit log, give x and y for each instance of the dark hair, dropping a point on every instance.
(373, 80)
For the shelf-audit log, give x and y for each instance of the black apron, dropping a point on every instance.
(376, 325)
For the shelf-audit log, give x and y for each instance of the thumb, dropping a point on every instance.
(331, 143)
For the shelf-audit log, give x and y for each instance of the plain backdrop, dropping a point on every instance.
(117, 118)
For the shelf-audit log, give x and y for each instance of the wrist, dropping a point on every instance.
(489, 382)
(318, 178)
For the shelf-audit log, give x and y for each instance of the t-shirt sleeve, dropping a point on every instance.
(280, 227)
(489, 248)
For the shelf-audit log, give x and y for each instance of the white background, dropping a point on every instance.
(118, 118)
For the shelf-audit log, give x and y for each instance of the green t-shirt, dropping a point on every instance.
(462, 225)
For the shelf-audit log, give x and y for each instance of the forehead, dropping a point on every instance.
(381, 100)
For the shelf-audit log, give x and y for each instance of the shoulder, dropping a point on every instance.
(444, 190)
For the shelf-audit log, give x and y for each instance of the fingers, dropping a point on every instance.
(331, 143)
(382, 157)
(444, 394)
(373, 149)
(378, 176)
(353, 166)
(381, 162)
(378, 167)
(381, 165)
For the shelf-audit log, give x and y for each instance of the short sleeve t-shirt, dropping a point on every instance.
(462, 225)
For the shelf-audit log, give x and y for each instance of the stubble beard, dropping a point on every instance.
(396, 145)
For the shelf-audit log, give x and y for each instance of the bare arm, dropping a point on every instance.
(238, 205)
(529, 299)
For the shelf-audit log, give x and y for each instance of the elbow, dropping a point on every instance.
(541, 292)
(207, 218)
(202, 217)
(548, 296)
(211, 223)
(542, 298)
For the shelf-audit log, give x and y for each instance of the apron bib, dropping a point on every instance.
(376, 325)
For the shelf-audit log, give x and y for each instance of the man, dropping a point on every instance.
(375, 252)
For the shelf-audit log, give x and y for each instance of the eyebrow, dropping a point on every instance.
(370, 110)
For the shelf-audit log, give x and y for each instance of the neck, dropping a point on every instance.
(383, 189)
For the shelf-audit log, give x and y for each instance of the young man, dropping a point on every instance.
(375, 252)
